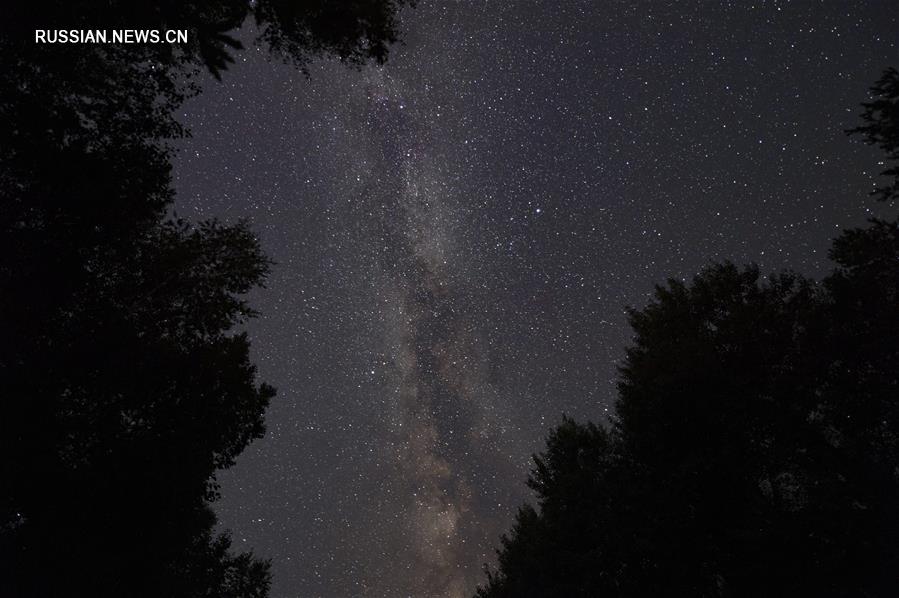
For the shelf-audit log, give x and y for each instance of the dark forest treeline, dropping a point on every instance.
(123, 384)
(755, 448)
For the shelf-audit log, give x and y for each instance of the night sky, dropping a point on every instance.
(458, 232)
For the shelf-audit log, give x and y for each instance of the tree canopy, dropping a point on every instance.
(755, 445)
(126, 382)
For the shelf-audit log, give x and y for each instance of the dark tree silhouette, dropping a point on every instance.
(124, 384)
(881, 127)
(755, 447)
(353, 31)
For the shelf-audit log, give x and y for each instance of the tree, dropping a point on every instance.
(881, 128)
(755, 445)
(124, 385)
(296, 30)
(553, 552)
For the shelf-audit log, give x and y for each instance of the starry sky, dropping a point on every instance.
(457, 234)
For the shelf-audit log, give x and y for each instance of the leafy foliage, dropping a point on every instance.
(755, 449)
(125, 383)
(881, 128)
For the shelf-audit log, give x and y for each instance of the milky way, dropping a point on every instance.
(439, 406)
(457, 233)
